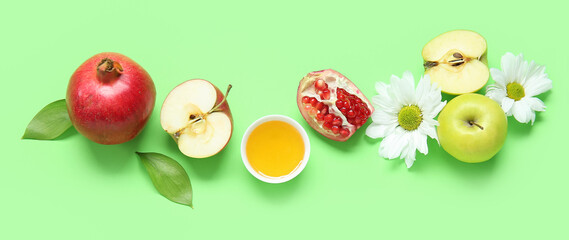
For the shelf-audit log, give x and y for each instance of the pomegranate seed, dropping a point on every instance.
(313, 102)
(344, 132)
(324, 110)
(351, 114)
(313, 111)
(325, 95)
(320, 117)
(305, 99)
(341, 97)
(335, 129)
(358, 120)
(307, 107)
(326, 90)
(358, 100)
(337, 122)
(320, 84)
(344, 110)
(328, 118)
(339, 104)
(327, 125)
(319, 105)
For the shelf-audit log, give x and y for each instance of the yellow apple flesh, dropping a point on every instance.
(472, 128)
(456, 61)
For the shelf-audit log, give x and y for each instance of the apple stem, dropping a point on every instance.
(475, 124)
(108, 70)
(216, 108)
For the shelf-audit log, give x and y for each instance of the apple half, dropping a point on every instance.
(197, 116)
(456, 61)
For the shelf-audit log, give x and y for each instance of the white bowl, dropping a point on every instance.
(294, 172)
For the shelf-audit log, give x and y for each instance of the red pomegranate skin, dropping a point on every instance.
(110, 107)
(331, 78)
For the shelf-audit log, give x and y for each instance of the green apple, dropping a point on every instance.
(472, 128)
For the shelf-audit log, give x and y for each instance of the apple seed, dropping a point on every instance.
(430, 64)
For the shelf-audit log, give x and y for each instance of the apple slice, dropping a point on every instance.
(197, 116)
(456, 61)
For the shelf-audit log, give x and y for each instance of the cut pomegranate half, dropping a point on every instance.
(332, 105)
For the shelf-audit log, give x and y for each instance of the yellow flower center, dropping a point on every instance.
(410, 117)
(515, 91)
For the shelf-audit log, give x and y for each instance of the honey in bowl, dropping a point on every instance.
(275, 148)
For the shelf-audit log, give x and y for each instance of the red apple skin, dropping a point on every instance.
(112, 109)
(225, 109)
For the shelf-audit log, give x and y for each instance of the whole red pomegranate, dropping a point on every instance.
(332, 105)
(110, 98)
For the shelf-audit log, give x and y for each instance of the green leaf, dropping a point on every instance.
(49, 123)
(168, 177)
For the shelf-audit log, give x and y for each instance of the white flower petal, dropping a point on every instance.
(535, 104)
(438, 108)
(381, 88)
(522, 112)
(507, 104)
(405, 88)
(393, 79)
(521, 73)
(381, 117)
(430, 110)
(408, 76)
(496, 93)
(429, 129)
(394, 93)
(509, 65)
(534, 72)
(392, 145)
(384, 103)
(421, 142)
(536, 85)
(499, 77)
(409, 161)
(409, 156)
(423, 89)
(375, 130)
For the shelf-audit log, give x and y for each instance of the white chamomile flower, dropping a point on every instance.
(516, 86)
(404, 116)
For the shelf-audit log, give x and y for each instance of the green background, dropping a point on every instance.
(72, 188)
